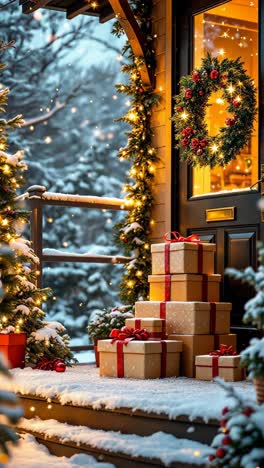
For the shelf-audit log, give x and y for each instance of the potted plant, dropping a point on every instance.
(253, 356)
(102, 323)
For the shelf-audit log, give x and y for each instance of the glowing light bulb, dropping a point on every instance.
(6, 169)
(130, 284)
(214, 148)
(152, 222)
(184, 116)
(221, 52)
(5, 222)
(219, 101)
(139, 273)
(4, 319)
(231, 89)
(133, 116)
(146, 246)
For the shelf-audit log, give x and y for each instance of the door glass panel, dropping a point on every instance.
(229, 30)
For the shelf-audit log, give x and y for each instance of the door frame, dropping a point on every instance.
(181, 59)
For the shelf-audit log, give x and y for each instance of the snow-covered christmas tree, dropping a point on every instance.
(21, 304)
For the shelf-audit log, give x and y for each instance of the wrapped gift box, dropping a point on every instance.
(182, 257)
(229, 339)
(193, 345)
(227, 367)
(139, 359)
(184, 287)
(13, 347)
(154, 326)
(194, 318)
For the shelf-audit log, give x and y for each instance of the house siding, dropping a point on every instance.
(161, 124)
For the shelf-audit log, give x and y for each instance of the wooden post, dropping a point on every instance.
(36, 230)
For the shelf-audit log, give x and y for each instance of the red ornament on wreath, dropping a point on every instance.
(228, 77)
(220, 452)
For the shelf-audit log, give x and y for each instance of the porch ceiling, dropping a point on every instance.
(100, 8)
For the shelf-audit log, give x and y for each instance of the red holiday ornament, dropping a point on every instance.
(223, 423)
(229, 122)
(141, 90)
(211, 457)
(188, 93)
(199, 152)
(201, 92)
(195, 143)
(60, 367)
(179, 109)
(247, 411)
(225, 410)
(236, 103)
(214, 74)
(196, 76)
(184, 142)
(124, 239)
(220, 452)
(226, 440)
(187, 131)
(203, 143)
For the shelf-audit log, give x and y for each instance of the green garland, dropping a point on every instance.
(134, 232)
(191, 133)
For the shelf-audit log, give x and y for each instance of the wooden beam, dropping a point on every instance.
(79, 7)
(125, 16)
(30, 6)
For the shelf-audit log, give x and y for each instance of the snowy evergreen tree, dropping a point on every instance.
(20, 306)
(240, 439)
(70, 143)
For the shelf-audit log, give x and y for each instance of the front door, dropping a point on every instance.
(219, 204)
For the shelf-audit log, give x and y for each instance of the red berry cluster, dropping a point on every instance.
(226, 441)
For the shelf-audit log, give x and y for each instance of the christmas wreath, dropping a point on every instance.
(238, 91)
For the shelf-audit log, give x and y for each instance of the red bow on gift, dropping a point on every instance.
(224, 351)
(174, 236)
(128, 334)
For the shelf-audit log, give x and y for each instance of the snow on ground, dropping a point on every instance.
(81, 386)
(30, 454)
(164, 447)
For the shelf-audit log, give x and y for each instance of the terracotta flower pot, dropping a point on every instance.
(259, 387)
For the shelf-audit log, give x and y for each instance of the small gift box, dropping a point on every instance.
(228, 339)
(138, 359)
(222, 363)
(182, 255)
(154, 326)
(193, 345)
(205, 288)
(194, 318)
(13, 347)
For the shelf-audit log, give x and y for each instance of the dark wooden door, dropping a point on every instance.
(235, 238)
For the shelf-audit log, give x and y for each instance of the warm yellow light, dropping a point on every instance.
(38, 301)
(134, 76)
(152, 222)
(5, 222)
(219, 101)
(4, 319)
(139, 273)
(32, 408)
(44, 298)
(151, 169)
(138, 203)
(214, 148)
(146, 246)
(6, 169)
(130, 284)
(133, 171)
(49, 406)
(238, 99)
(184, 115)
(94, 5)
(132, 116)
(50, 220)
(197, 453)
(20, 321)
(221, 52)
(231, 89)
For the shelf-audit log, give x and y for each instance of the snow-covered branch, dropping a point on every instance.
(44, 117)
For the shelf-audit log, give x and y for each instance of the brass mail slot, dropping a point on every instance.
(220, 214)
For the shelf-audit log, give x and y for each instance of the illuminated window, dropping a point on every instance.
(230, 30)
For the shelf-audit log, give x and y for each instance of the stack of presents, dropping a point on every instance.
(188, 328)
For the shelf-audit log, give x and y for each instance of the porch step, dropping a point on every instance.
(123, 450)
(125, 420)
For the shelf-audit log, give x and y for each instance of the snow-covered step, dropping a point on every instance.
(125, 420)
(123, 450)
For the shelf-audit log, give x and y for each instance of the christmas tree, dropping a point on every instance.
(7, 399)
(21, 304)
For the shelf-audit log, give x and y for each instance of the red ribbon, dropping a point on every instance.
(160, 334)
(212, 317)
(45, 364)
(177, 237)
(224, 350)
(163, 310)
(174, 236)
(205, 288)
(167, 288)
(127, 334)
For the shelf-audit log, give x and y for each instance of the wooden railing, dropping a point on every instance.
(37, 197)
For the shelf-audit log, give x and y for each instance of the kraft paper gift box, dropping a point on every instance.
(229, 339)
(194, 318)
(227, 367)
(139, 359)
(193, 345)
(185, 287)
(154, 326)
(13, 347)
(182, 257)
